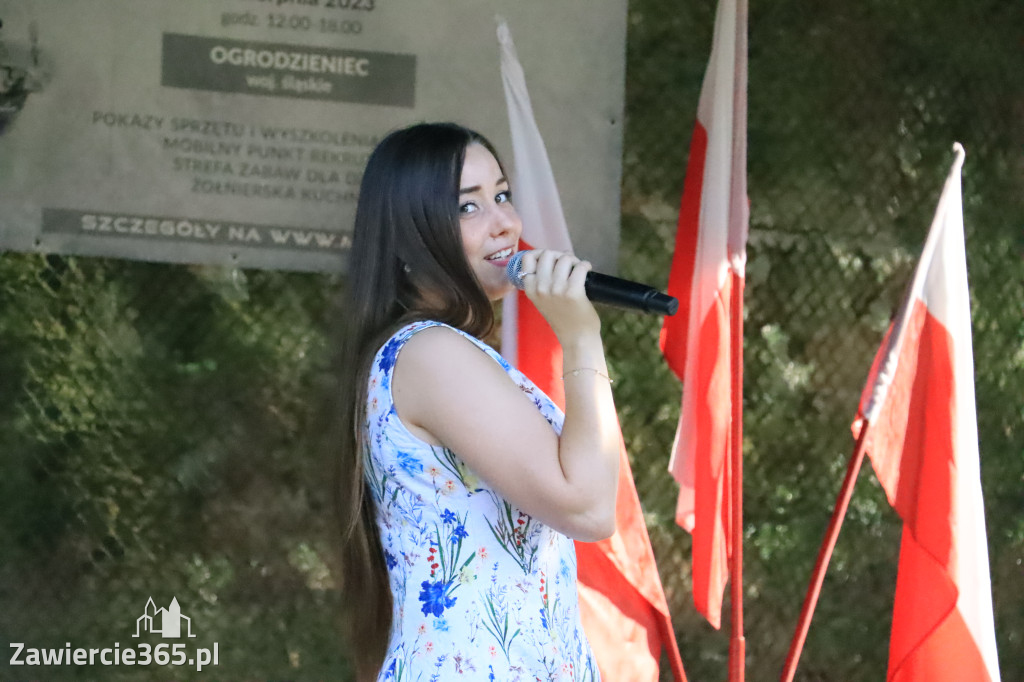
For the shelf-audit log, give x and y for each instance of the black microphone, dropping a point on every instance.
(609, 290)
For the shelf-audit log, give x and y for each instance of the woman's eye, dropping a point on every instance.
(467, 208)
(504, 197)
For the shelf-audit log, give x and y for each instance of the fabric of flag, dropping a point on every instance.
(918, 407)
(622, 602)
(707, 265)
(536, 198)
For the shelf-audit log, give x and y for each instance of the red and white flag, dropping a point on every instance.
(526, 339)
(918, 407)
(622, 603)
(707, 269)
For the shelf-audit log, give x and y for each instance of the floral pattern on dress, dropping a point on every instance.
(481, 589)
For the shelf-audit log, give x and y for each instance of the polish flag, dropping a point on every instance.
(526, 339)
(622, 603)
(707, 277)
(918, 407)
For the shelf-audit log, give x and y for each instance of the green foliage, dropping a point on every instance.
(156, 432)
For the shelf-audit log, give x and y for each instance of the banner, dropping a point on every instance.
(234, 132)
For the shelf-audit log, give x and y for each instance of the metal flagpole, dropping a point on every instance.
(737, 645)
(825, 553)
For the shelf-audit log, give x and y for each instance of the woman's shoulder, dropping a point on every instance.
(436, 341)
(388, 349)
(449, 360)
(429, 341)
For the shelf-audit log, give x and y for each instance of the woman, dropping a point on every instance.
(462, 485)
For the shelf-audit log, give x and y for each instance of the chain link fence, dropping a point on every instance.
(158, 422)
(852, 114)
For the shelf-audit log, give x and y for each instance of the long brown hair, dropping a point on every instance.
(407, 263)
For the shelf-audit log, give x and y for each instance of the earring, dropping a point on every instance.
(406, 268)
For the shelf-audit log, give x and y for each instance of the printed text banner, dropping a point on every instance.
(235, 131)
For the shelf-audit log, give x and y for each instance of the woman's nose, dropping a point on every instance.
(506, 219)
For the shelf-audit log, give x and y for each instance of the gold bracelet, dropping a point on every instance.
(576, 372)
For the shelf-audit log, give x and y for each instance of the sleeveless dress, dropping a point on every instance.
(482, 591)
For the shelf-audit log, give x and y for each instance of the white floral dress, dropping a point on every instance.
(482, 591)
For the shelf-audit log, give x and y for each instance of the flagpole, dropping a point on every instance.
(738, 646)
(825, 553)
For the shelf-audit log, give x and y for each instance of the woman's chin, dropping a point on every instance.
(498, 292)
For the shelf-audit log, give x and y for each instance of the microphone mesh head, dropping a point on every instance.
(513, 268)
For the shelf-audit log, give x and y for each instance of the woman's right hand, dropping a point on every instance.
(554, 283)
